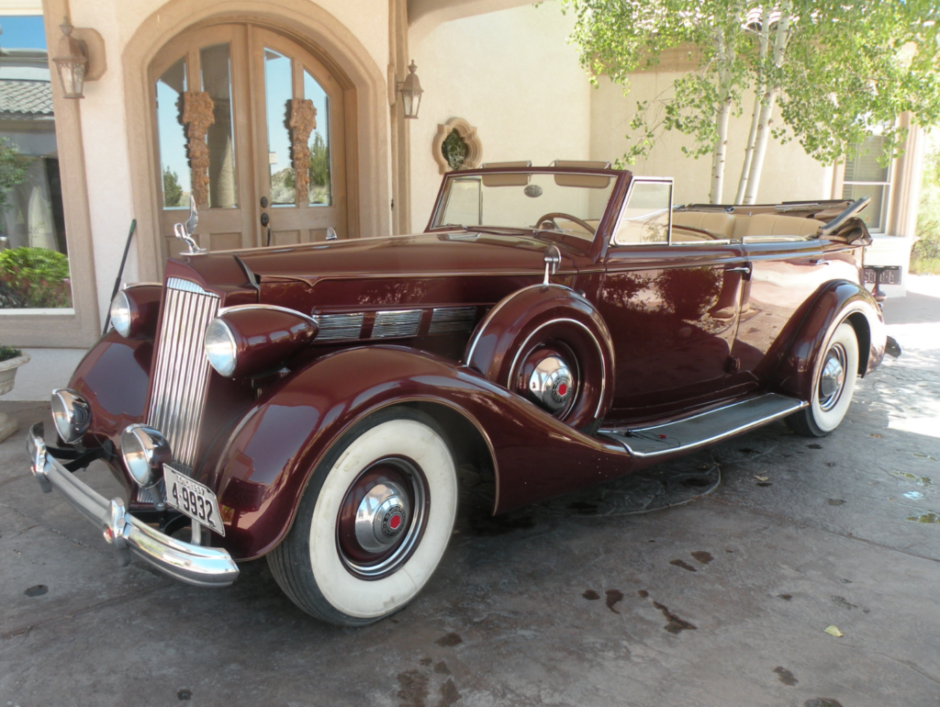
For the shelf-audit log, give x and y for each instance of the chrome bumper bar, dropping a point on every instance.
(193, 564)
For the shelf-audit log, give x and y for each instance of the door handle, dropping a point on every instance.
(745, 270)
(264, 202)
(265, 219)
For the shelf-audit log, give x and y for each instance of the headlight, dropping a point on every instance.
(121, 314)
(145, 451)
(221, 349)
(71, 414)
(135, 310)
(251, 339)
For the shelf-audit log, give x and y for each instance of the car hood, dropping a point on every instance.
(432, 254)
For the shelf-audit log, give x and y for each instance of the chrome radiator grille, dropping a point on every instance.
(181, 372)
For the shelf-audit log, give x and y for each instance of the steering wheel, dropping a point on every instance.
(552, 215)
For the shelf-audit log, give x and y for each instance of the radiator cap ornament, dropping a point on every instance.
(184, 231)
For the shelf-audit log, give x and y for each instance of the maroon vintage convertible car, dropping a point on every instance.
(553, 326)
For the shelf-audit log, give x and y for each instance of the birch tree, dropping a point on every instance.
(835, 71)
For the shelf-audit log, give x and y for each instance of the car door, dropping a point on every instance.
(672, 304)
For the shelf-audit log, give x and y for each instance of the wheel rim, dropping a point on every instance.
(832, 377)
(549, 377)
(382, 517)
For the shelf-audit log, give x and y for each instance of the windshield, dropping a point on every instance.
(569, 202)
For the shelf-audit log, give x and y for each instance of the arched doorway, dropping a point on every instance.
(256, 127)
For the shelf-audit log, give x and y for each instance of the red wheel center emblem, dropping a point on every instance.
(562, 389)
(394, 522)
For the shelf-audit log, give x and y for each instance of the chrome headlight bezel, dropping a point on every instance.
(144, 451)
(221, 348)
(121, 315)
(71, 414)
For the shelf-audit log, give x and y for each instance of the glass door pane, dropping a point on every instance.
(174, 163)
(278, 94)
(216, 81)
(320, 192)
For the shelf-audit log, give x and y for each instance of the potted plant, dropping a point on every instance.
(10, 360)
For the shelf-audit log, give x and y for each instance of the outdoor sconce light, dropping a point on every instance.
(411, 91)
(71, 61)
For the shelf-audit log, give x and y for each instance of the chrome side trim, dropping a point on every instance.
(597, 344)
(272, 307)
(338, 326)
(193, 564)
(397, 323)
(452, 320)
(132, 285)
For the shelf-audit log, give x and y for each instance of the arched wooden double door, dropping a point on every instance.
(253, 125)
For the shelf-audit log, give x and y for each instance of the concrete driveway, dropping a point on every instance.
(723, 601)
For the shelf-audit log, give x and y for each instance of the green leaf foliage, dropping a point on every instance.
(845, 70)
(13, 166)
(34, 277)
(8, 352)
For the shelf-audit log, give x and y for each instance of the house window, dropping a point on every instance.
(864, 176)
(34, 265)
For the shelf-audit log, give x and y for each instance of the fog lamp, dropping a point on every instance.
(71, 414)
(145, 451)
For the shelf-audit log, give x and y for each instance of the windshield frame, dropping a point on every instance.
(611, 211)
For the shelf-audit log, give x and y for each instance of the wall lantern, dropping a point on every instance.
(411, 91)
(70, 61)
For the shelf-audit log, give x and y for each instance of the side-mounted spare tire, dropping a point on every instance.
(550, 345)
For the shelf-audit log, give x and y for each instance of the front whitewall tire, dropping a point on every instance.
(310, 564)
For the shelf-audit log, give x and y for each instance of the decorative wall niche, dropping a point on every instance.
(456, 146)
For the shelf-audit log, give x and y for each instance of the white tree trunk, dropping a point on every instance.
(721, 149)
(767, 108)
(748, 151)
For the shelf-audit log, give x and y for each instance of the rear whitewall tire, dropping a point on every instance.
(826, 409)
(311, 565)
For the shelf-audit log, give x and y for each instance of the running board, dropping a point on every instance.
(705, 428)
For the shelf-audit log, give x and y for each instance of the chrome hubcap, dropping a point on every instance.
(382, 516)
(832, 378)
(551, 383)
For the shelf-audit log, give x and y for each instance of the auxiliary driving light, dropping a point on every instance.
(71, 414)
(144, 450)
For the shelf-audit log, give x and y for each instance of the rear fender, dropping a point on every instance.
(265, 465)
(838, 302)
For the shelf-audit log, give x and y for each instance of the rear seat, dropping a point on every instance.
(725, 226)
(720, 226)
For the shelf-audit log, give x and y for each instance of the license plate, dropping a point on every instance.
(890, 275)
(193, 499)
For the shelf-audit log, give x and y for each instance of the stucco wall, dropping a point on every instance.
(789, 173)
(510, 74)
(104, 127)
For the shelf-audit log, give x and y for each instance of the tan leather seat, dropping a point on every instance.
(719, 226)
(776, 225)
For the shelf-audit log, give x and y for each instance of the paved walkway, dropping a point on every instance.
(724, 601)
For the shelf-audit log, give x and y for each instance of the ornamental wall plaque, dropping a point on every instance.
(303, 119)
(198, 115)
(465, 156)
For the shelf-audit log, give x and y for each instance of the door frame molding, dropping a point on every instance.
(313, 28)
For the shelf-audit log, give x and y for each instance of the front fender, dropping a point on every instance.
(838, 302)
(265, 465)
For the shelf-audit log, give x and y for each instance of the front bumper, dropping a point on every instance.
(193, 564)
